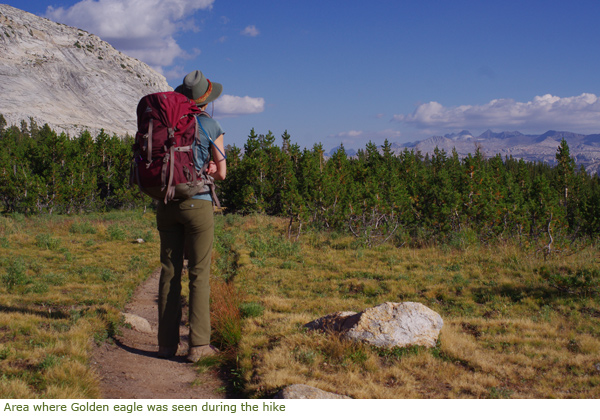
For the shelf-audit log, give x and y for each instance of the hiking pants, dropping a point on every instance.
(182, 224)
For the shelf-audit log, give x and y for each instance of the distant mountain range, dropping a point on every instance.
(585, 149)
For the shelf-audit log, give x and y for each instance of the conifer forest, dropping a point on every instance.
(406, 198)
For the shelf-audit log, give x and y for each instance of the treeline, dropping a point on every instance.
(376, 195)
(408, 197)
(41, 171)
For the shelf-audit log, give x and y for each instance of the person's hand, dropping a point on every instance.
(212, 168)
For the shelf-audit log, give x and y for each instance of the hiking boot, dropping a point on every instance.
(198, 352)
(166, 352)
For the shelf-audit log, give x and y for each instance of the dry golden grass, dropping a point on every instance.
(507, 332)
(63, 281)
(514, 325)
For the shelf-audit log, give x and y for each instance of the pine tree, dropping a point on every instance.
(565, 170)
(252, 143)
(2, 125)
(292, 204)
(338, 186)
(229, 191)
(569, 184)
(440, 200)
(310, 175)
(20, 185)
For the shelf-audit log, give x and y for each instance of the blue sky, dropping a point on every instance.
(352, 71)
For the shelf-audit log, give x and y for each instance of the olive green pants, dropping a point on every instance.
(184, 224)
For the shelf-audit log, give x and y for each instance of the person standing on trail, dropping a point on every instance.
(189, 224)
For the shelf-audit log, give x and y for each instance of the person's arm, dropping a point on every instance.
(220, 164)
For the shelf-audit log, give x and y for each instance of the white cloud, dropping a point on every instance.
(231, 106)
(543, 112)
(390, 134)
(176, 72)
(144, 29)
(351, 133)
(375, 136)
(250, 30)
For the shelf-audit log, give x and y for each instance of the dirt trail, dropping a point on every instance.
(130, 368)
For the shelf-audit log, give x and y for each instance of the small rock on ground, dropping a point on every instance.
(305, 392)
(137, 322)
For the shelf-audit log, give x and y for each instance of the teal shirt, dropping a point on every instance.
(202, 149)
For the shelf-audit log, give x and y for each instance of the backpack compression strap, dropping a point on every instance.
(170, 156)
(149, 143)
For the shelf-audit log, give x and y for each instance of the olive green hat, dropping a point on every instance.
(199, 89)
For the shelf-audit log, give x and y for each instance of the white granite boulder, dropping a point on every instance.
(387, 325)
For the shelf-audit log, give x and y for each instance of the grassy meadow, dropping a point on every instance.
(63, 282)
(517, 324)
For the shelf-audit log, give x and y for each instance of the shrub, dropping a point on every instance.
(251, 309)
(38, 288)
(136, 262)
(274, 246)
(15, 274)
(107, 275)
(583, 282)
(82, 228)
(116, 233)
(46, 241)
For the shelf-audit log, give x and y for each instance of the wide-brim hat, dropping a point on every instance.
(199, 89)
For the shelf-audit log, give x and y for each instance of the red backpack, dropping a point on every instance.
(163, 163)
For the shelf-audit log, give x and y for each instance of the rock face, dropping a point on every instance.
(67, 77)
(386, 325)
(305, 392)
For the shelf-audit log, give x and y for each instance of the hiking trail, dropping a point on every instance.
(129, 368)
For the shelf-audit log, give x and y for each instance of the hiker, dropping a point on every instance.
(189, 223)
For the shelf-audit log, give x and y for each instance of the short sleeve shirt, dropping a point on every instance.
(202, 150)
